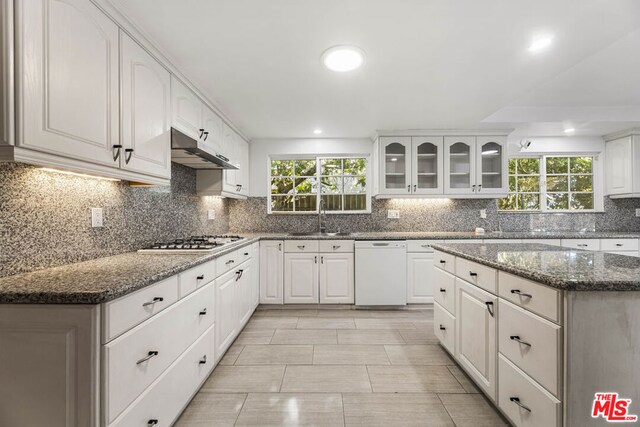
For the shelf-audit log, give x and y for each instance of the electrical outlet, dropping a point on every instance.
(211, 214)
(394, 214)
(483, 213)
(637, 212)
(97, 218)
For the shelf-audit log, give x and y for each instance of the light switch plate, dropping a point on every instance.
(394, 214)
(637, 212)
(97, 218)
(483, 213)
(211, 214)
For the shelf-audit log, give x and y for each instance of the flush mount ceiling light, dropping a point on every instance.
(317, 131)
(343, 58)
(540, 43)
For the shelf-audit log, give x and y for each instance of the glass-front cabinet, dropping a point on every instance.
(395, 165)
(491, 165)
(460, 164)
(426, 165)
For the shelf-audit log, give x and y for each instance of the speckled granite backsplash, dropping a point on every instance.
(45, 217)
(434, 215)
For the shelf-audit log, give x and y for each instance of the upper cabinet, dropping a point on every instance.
(146, 111)
(451, 166)
(67, 76)
(622, 170)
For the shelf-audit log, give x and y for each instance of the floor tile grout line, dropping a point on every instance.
(282, 379)
(344, 415)
(241, 408)
(446, 410)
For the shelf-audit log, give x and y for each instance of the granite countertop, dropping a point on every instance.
(561, 268)
(102, 279)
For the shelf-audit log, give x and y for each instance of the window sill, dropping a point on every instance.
(551, 212)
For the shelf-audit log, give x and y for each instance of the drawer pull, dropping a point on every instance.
(301, 247)
(472, 274)
(147, 357)
(443, 290)
(201, 277)
(425, 246)
(518, 340)
(442, 328)
(203, 312)
(516, 400)
(153, 301)
(239, 274)
(152, 423)
(517, 292)
(246, 254)
(203, 361)
(229, 262)
(443, 261)
(336, 247)
(619, 245)
(490, 308)
(582, 245)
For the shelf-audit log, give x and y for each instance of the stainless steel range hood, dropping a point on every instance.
(192, 153)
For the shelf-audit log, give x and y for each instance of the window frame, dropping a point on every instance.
(596, 173)
(318, 177)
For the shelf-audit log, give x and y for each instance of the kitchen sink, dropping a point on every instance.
(311, 234)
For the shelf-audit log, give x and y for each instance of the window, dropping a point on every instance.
(550, 183)
(300, 185)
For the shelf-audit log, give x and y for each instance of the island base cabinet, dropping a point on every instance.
(444, 327)
(476, 349)
(165, 399)
(524, 401)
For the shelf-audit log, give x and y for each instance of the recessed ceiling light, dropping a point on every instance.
(317, 131)
(569, 130)
(343, 58)
(540, 43)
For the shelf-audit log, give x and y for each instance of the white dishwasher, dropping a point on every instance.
(381, 273)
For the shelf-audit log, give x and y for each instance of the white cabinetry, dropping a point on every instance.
(226, 311)
(301, 278)
(420, 272)
(145, 88)
(271, 271)
(337, 278)
(395, 165)
(622, 171)
(475, 166)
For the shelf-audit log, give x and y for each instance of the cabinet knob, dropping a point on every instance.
(128, 152)
(152, 423)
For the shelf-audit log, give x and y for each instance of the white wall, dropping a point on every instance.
(261, 149)
(557, 144)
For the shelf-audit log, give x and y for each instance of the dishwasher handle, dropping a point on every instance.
(380, 244)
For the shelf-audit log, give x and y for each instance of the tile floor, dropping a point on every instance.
(338, 368)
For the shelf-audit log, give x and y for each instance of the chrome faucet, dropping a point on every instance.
(322, 218)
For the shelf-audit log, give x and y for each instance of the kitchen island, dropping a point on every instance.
(541, 329)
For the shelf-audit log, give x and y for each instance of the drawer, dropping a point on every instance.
(538, 353)
(619, 245)
(126, 375)
(501, 241)
(585, 244)
(444, 261)
(444, 290)
(477, 274)
(301, 246)
(553, 242)
(515, 386)
(337, 246)
(533, 296)
(632, 253)
(226, 262)
(444, 327)
(421, 245)
(122, 314)
(165, 399)
(197, 277)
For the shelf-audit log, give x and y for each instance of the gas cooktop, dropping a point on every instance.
(194, 244)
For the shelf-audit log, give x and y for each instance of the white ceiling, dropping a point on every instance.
(430, 63)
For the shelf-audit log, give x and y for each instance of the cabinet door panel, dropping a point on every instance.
(476, 348)
(271, 272)
(226, 312)
(146, 111)
(301, 278)
(337, 278)
(491, 165)
(67, 80)
(619, 166)
(460, 165)
(212, 125)
(427, 162)
(420, 277)
(395, 165)
(245, 300)
(186, 109)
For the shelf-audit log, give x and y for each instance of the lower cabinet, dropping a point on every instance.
(271, 271)
(301, 278)
(476, 334)
(420, 278)
(226, 311)
(337, 278)
(245, 286)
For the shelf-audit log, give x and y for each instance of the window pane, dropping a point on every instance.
(355, 202)
(581, 183)
(281, 167)
(332, 202)
(512, 184)
(528, 184)
(508, 203)
(355, 166)
(281, 185)
(331, 166)
(529, 202)
(512, 166)
(557, 183)
(557, 165)
(281, 203)
(306, 203)
(581, 164)
(331, 185)
(355, 184)
(305, 185)
(528, 166)
(582, 201)
(557, 201)
(305, 167)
